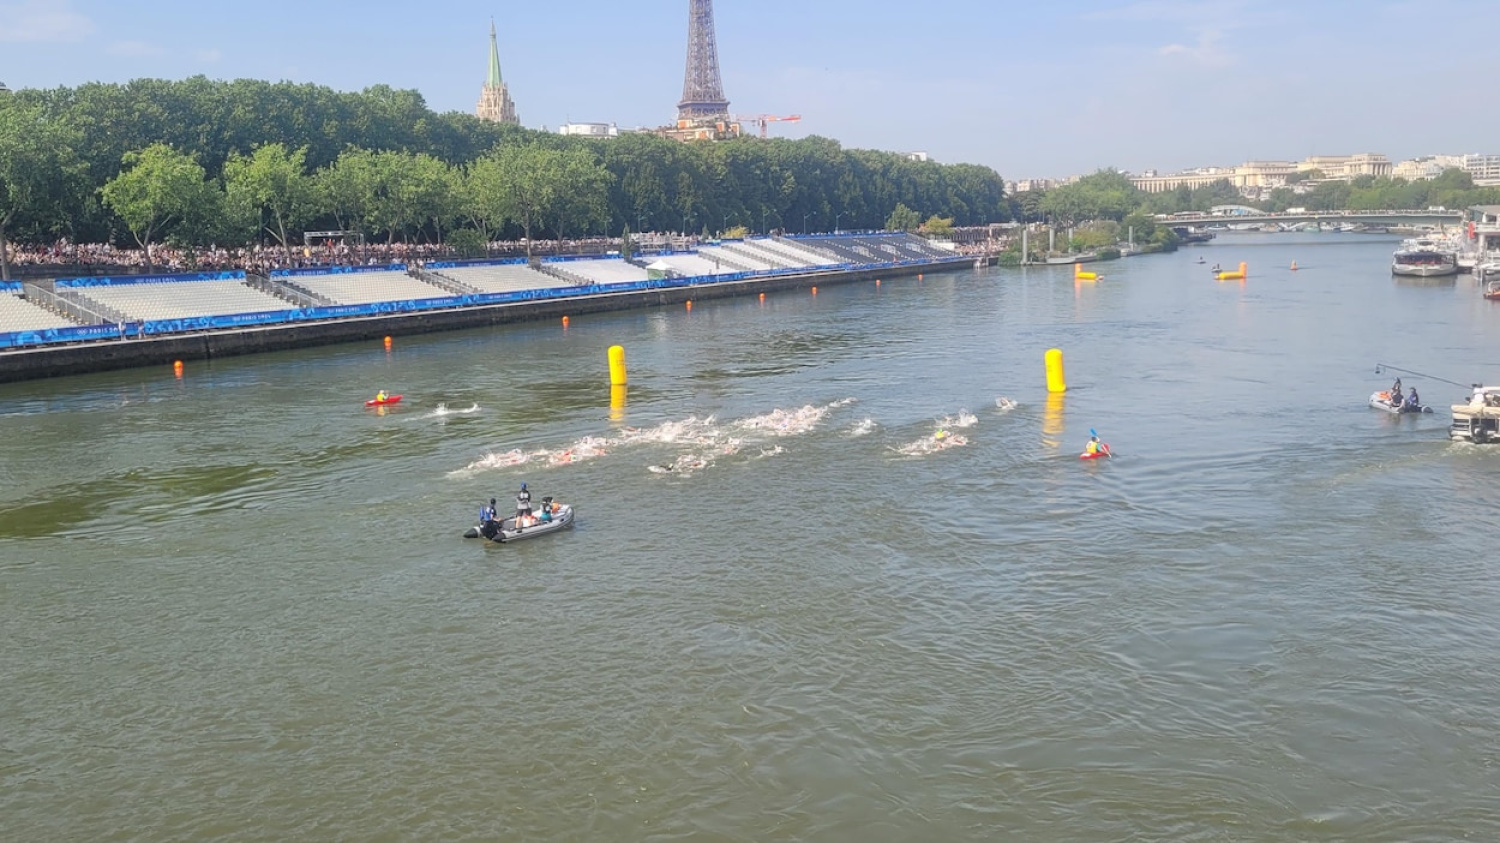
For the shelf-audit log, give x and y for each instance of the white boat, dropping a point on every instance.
(1424, 259)
(1382, 401)
(1478, 420)
(509, 529)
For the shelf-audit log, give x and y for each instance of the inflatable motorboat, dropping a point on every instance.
(1382, 401)
(509, 531)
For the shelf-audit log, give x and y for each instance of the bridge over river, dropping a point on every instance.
(1412, 218)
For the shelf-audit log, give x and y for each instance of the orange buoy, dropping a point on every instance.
(877, 282)
(387, 343)
(565, 321)
(919, 276)
(689, 304)
(762, 296)
(177, 368)
(815, 291)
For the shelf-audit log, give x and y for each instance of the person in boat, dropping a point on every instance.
(487, 512)
(546, 510)
(1413, 404)
(380, 396)
(1094, 446)
(523, 506)
(1395, 397)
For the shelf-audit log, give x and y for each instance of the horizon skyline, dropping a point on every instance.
(1168, 61)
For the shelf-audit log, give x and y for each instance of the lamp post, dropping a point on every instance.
(763, 229)
(836, 218)
(804, 220)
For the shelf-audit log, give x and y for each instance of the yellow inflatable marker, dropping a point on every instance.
(1056, 382)
(617, 365)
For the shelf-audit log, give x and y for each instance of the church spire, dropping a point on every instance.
(494, 79)
(494, 99)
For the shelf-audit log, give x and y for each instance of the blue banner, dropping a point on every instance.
(120, 280)
(335, 270)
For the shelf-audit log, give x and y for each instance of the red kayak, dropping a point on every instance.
(389, 399)
(1102, 452)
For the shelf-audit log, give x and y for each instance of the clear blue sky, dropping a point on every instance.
(1034, 88)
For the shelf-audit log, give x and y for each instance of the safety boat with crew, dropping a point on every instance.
(1384, 401)
(551, 517)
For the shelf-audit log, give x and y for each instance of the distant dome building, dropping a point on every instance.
(3, 89)
(494, 98)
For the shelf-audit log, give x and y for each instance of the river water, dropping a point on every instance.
(236, 606)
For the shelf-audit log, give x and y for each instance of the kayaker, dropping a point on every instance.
(523, 505)
(380, 396)
(1093, 446)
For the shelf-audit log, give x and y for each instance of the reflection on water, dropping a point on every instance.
(239, 606)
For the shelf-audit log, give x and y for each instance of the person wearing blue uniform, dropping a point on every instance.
(487, 512)
(1413, 403)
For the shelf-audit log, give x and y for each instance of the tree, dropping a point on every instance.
(939, 227)
(162, 187)
(39, 171)
(272, 181)
(532, 180)
(903, 219)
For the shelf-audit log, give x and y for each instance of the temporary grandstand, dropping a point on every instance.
(176, 299)
(367, 287)
(17, 314)
(73, 311)
(499, 278)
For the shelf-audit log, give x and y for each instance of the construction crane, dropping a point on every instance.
(762, 119)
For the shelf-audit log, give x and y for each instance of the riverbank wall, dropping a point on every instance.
(163, 349)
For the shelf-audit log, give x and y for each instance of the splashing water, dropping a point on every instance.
(1004, 404)
(864, 427)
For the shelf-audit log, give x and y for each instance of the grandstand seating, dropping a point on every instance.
(18, 314)
(178, 299)
(769, 255)
(693, 266)
(504, 278)
(796, 253)
(736, 257)
(606, 270)
(367, 287)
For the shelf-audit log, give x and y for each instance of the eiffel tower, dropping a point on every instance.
(702, 90)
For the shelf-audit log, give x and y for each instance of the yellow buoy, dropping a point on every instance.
(1056, 382)
(617, 365)
(387, 343)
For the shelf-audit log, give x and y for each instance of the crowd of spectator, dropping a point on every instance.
(263, 258)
